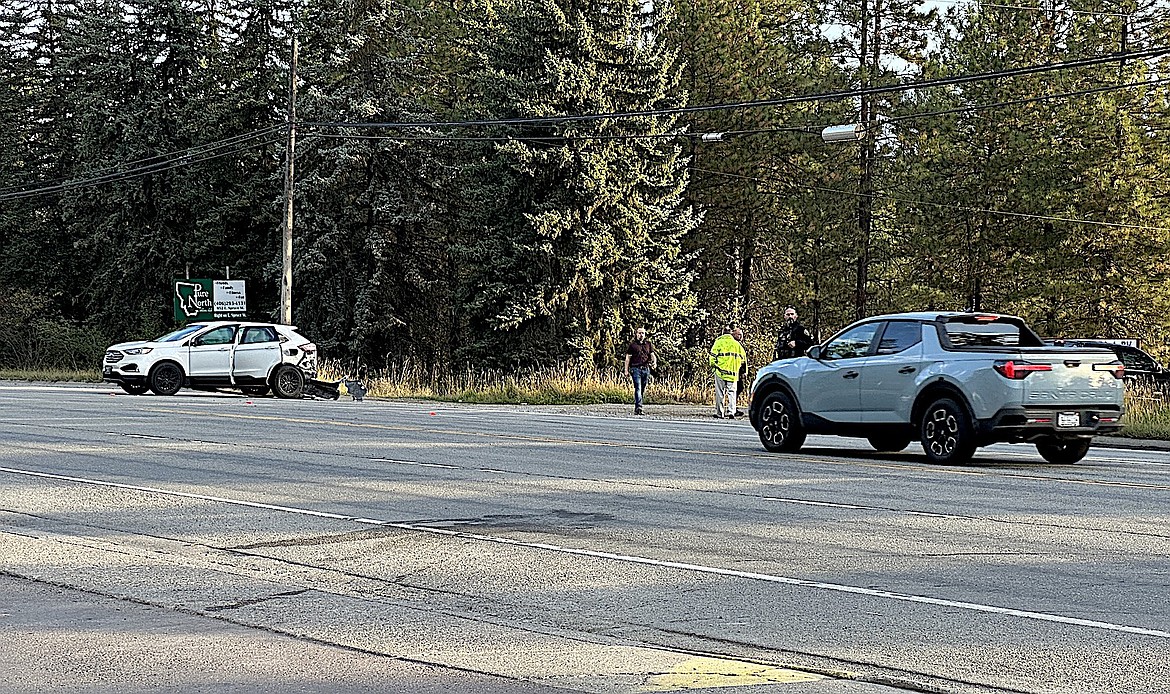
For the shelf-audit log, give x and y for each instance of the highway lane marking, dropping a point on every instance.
(659, 485)
(625, 558)
(450, 409)
(666, 449)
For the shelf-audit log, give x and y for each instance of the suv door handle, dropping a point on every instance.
(850, 374)
(907, 370)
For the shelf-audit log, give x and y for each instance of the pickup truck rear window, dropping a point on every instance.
(1003, 332)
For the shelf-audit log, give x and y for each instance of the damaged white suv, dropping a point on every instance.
(251, 357)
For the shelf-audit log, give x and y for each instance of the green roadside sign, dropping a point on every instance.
(193, 300)
(201, 299)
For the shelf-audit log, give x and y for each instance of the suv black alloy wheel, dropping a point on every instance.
(947, 435)
(1064, 452)
(166, 378)
(288, 382)
(780, 428)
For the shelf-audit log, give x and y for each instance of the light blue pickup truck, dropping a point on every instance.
(954, 381)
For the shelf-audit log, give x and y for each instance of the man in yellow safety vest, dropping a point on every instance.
(727, 356)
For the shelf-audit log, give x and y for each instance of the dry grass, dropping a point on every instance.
(1147, 414)
(52, 375)
(562, 385)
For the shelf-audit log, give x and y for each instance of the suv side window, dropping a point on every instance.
(219, 336)
(854, 343)
(256, 335)
(899, 336)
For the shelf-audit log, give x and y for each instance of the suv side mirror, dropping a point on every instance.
(814, 352)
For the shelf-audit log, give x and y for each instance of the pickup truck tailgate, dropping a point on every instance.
(1078, 377)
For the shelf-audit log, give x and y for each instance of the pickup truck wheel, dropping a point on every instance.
(1063, 452)
(889, 443)
(947, 435)
(135, 388)
(780, 427)
(288, 382)
(166, 379)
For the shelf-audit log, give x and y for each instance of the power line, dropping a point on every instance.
(158, 163)
(730, 134)
(190, 151)
(1028, 100)
(963, 208)
(825, 96)
(1033, 8)
(138, 172)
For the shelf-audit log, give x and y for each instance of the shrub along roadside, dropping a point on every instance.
(34, 337)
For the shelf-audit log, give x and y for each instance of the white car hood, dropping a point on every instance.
(123, 346)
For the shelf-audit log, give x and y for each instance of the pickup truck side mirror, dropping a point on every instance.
(814, 352)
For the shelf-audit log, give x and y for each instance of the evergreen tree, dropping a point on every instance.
(370, 269)
(577, 228)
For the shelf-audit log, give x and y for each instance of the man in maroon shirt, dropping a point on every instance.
(640, 358)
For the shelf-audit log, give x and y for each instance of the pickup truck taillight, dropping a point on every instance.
(1018, 370)
(1114, 367)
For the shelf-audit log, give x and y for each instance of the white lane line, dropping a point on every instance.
(628, 558)
(855, 507)
(416, 463)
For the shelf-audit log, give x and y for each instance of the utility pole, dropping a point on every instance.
(290, 156)
(865, 184)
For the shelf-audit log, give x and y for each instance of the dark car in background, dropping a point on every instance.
(1141, 369)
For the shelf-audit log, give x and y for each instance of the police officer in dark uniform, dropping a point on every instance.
(794, 339)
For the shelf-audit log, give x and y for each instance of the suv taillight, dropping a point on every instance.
(1114, 367)
(1018, 370)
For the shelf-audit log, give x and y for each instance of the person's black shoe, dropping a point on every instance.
(638, 410)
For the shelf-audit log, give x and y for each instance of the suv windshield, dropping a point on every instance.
(180, 333)
(977, 331)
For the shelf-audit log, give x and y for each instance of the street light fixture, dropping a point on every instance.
(843, 133)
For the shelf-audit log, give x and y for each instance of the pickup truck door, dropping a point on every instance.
(257, 351)
(889, 381)
(211, 354)
(830, 387)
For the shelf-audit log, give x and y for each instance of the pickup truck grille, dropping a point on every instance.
(114, 356)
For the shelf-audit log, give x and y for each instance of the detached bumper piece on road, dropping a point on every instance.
(317, 389)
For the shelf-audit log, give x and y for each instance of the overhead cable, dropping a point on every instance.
(137, 172)
(159, 158)
(963, 208)
(761, 103)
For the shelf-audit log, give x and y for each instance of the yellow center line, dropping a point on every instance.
(704, 673)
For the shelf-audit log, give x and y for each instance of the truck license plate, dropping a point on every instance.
(1068, 419)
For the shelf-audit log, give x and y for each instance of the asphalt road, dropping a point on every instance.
(217, 543)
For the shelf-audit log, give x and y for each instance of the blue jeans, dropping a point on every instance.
(639, 375)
